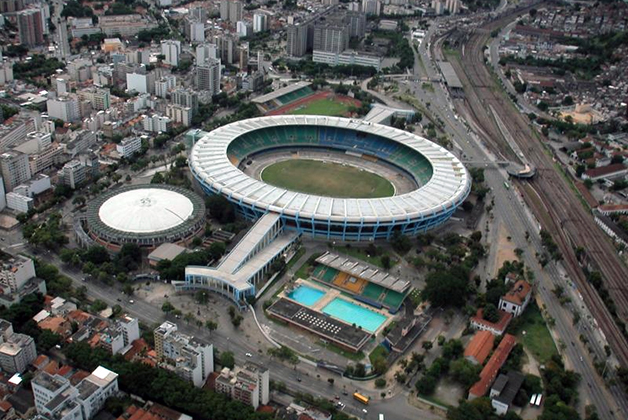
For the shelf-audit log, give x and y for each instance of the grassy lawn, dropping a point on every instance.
(537, 338)
(362, 255)
(322, 107)
(356, 357)
(302, 272)
(326, 179)
(378, 352)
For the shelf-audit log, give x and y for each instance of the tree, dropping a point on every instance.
(189, 317)
(47, 340)
(490, 313)
(464, 372)
(443, 288)
(96, 254)
(79, 200)
(167, 307)
(380, 383)
(386, 263)
(227, 360)
(400, 242)
(359, 370)
(427, 345)
(211, 325)
(426, 385)
(127, 289)
(216, 250)
(98, 305)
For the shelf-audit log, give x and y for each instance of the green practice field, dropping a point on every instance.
(322, 107)
(327, 179)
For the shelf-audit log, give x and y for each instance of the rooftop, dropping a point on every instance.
(280, 92)
(480, 346)
(166, 251)
(364, 271)
(519, 292)
(497, 360)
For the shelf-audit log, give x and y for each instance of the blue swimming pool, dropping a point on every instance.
(354, 314)
(306, 295)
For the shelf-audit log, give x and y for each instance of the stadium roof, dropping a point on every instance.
(451, 78)
(449, 185)
(146, 210)
(280, 92)
(364, 271)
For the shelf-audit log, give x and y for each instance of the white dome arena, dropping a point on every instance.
(147, 215)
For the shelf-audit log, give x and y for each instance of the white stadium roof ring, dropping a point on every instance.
(443, 181)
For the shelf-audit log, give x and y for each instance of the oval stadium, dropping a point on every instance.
(146, 215)
(331, 177)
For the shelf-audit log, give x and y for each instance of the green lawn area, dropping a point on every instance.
(378, 352)
(302, 272)
(537, 338)
(322, 107)
(361, 254)
(326, 179)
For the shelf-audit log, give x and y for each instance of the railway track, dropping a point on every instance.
(569, 223)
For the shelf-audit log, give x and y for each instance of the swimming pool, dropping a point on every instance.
(354, 314)
(306, 295)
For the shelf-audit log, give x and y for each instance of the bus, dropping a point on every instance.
(361, 398)
(507, 185)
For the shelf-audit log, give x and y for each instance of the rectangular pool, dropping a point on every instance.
(354, 314)
(306, 295)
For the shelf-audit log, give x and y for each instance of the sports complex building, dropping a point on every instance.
(433, 181)
(146, 215)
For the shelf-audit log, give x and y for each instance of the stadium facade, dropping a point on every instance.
(442, 181)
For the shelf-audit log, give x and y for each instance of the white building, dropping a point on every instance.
(17, 351)
(452, 6)
(15, 272)
(260, 22)
(347, 57)
(15, 169)
(73, 174)
(179, 114)
(165, 85)
(517, 299)
(244, 28)
(3, 198)
(19, 203)
(129, 146)
(171, 49)
(156, 123)
(56, 398)
(249, 385)
(34, 186)
(190, 359)
(197, 31)
(371, 7)
(64, 108)
(137, 82)
(204, 52)
(6, 72)
(208, 76)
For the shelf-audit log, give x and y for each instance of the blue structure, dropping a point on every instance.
(443, 182)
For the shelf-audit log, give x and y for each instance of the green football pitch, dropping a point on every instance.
(326, 179)
(322, 107)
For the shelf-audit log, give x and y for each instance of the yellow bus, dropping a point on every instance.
(364, 400)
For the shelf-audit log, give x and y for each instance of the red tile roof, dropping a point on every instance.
(518, 293)
(500, 325)
(480, 346)
(605, 170)
(490, 371)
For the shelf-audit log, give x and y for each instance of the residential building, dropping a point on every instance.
(124, 25)
(297, 39)
(15, 169)
(185, 97)
(15, 272)
(130, 329)
(347, 57)
(244, 28)
(230, 10)
(253, 82)
(260, 22)
(179, 114)
(206, 51)
(82, 26)
(479, 347)
(99, 98)
(208, 76)
(57, 399)
(6, 72)
(190, 359)
(613, 171)
(331, 37)
(11, 6)
(164, 85)
(452, 6)
(371, 7)
(171, 49)
(156, 123)
(17, 351)
(356, 23)
(30, 26)
(3, 198)
(65, 108)
(137, 82)
(194, 29)
(517, 299)
(14, 131)
(73, 174)
(494, 364)
(35, 186)
(19, 203)
(249, 384)
(129, 146)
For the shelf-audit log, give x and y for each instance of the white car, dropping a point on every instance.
(248, 355)
(365, 411)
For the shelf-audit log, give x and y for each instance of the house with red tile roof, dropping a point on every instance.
(497, 328)
(517, 298)
(494, 364)
(479, 347)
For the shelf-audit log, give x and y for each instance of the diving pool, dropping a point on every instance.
(354, 314)
(306, 295)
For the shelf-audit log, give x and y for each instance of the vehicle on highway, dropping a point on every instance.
(381, 416)
(131, 301)
(506, 185)
(365, 411)
(361, 398)
(248, 355)
(298, 379)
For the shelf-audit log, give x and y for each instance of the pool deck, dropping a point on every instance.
(330, 295)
